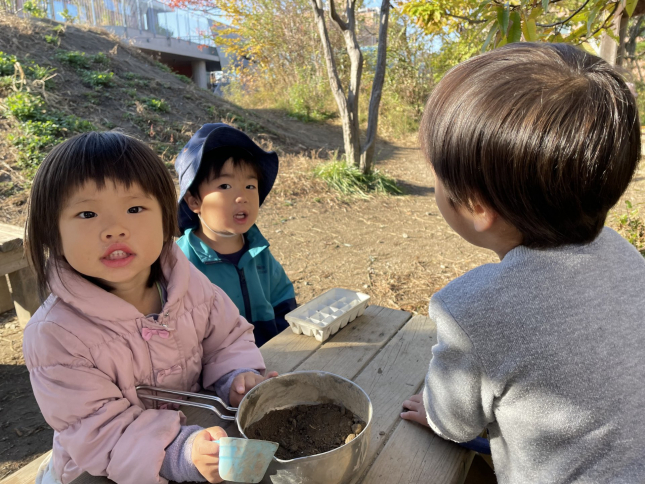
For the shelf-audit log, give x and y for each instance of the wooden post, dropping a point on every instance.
(25, 294)
(6, 304)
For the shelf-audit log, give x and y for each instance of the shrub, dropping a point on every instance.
(34, 10)
(163, 67)
(183, 78)
(7, 62)
(25, 106)
(97, 78)
(158, 105)
(101, 58)
(41, 73)
(74, 58)
(632, 227)
(351, 181)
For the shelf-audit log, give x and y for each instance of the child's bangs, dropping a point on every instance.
(111, 157)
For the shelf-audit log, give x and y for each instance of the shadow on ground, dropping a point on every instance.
(24, 434)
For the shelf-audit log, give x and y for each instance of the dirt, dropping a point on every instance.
(398, 250)
(306, 430)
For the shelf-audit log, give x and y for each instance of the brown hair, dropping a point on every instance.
(93, 157)
(545, 134)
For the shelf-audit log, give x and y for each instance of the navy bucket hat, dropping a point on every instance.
(210, 137)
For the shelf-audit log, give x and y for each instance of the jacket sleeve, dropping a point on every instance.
(283, 296)
(103, 432)
(228, 342)
(458, 395)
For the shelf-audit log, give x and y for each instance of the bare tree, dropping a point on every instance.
(357, 153)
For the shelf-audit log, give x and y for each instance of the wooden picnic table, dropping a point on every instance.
(13, 264)
(386, 352)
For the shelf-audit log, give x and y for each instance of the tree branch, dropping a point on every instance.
(604, 24)
(561, 22)
(469, 20)
(367, 153)
(342, 25)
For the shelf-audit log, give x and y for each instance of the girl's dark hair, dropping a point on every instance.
(545, 134)
(97, 157)
(214, 160)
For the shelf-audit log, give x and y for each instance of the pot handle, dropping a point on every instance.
(187, 402)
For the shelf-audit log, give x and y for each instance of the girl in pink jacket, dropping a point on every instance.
(126, 308)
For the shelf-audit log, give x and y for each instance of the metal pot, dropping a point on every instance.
(338, 466)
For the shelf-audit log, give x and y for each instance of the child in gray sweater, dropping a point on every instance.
(531, 145)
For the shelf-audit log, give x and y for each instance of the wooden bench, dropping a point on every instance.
(27, 474)
(15, 271)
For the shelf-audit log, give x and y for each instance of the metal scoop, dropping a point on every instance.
(240, 460)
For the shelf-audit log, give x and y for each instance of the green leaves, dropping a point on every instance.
(515, 30)
(630, 6)
(502, 18)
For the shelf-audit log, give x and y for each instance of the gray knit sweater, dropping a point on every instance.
(546, 349)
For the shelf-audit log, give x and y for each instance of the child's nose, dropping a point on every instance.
(240, 198)
(114, 232)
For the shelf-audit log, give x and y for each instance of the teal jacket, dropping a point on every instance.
(258, 286)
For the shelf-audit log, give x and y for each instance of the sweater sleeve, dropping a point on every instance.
(103, 432)
(458, 395)
(228, 342)
(178, 463)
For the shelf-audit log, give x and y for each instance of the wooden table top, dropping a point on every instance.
(386, 352)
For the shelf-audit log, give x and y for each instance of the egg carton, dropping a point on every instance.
(325, 315)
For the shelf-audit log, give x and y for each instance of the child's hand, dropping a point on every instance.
(416, 411)
(205, 453)
(243, 382)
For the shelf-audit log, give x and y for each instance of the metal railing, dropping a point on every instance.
(151, 16)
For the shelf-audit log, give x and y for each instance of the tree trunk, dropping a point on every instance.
(622, 35)
(347, 106)
(367, 154)
(608, 46)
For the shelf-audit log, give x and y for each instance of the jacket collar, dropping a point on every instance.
(254, 240)
(102, 306)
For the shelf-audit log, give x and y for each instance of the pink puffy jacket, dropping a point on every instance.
(86, 354)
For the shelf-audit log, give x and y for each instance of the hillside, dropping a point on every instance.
(73, 78)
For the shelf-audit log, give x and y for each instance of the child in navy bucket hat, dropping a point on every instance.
(224, 177)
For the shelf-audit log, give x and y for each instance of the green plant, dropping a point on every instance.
(97, 78)
(34, 10)
(42, 73)
(74, 58)
(68, 17)
(52, 39)
(158, 105)
(183, 78)
(632, 227)
(101, 58)
(25, 106)
(163, 67)
(39, 128)
(351, 181)
(5, 83)
(7, 62)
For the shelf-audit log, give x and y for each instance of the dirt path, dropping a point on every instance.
(396, 249)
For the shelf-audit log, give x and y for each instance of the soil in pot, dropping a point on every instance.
(306, 430)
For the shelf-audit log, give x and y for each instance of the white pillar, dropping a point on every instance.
(199, 73)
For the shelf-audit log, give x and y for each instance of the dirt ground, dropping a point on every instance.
(397, 249)
(306, 430)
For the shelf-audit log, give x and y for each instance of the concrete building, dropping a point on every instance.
(181, 39)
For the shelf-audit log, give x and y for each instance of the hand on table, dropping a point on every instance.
(205, 453)
(416, 412)
(243, 382)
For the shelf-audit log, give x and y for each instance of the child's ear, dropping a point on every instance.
(194, 203)
(484, 217)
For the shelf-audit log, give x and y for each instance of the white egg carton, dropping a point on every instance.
(325, 315)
